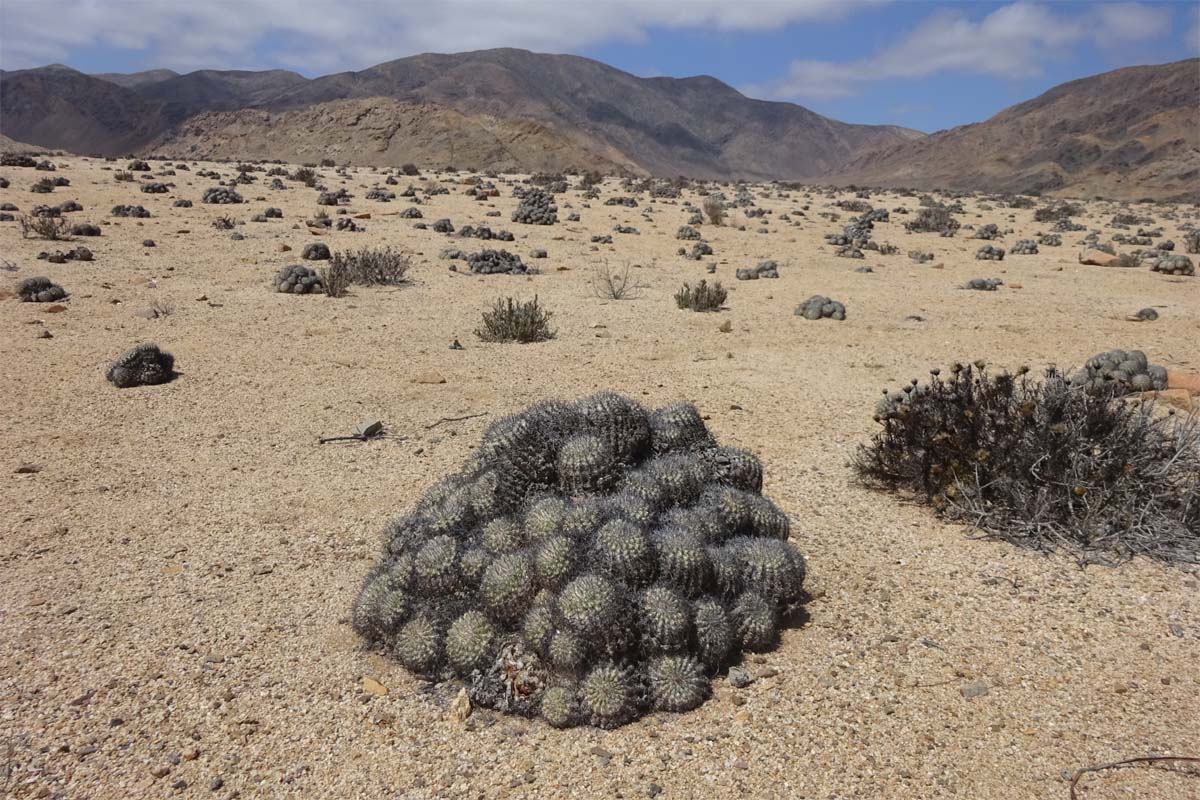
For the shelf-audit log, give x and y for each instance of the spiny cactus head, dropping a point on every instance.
(757, 621)
(419, 645)
(482, 495)
(715, 634)
(676, 427)
(585, 464)
(622, 551)
(700, 520)
(555, 561)
(381, 607)
(590, 604)
(680, 476)
(452, 516)
(677, 683)
(502, 535)
(537, 628)
(630, 507)
(507, 588)
(738, 468)
(643, 485)
(610, 695)
(766, 518)
(470, 642)
(473, 564)
(731, 506)
(726, 570)
(663, 619)
(774, 568)
(144, 365)
(581, 519)
(568, 650)
(435, 567)
(623, 424)
(544, 518)
(682, 559)
(560, 707)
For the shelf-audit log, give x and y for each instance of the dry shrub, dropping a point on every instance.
(614, 284)
(53, 228)
(512, 321)
(702, 297)
(1043, 464)
(123, 176)
(367, 267)
(336, 277)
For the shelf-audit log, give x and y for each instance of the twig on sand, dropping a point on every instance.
(455, 419)
(1128, 762)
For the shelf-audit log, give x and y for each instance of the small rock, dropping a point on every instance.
(429, 378)
(460, 709)
(216, 783)
(740, 678)
(368, 428)
(974, 689)
(27, 469)
(160, 770)
(372, 686)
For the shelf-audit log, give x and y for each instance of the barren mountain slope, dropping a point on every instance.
(381, 132)
(58, 107)
(695, 126)
(1129, 133)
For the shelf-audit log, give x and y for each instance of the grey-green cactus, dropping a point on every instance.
(144, 365)
(677, 683)
(591, 562)
(470, 641)
(610, 695)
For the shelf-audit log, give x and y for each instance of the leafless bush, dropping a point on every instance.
(367, 267)
(123, 175)
(224, 223)
(514, 321)
(336, 277)
(53, 228)
(614, 284)
(1044, 464)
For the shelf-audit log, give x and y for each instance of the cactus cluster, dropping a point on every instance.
(764, 269)
(144, 365)
(989, 253)
(1025, 247)
(488, 262)
(39, 290)
(1121, 372)
(591, 563)
(221, 196)
(536, 208)
(1174, 265)
(983, 284)
(298, 279)
(820, 307)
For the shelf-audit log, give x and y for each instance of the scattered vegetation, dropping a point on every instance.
(614, 284)
(372, 267)
(703, 297)
(714, 209)
(45, 227)
(510, 320)
(1043, 463)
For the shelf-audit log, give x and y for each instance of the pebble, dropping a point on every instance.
(740, 678)
(974, 689)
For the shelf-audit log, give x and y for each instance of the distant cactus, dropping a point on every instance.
(592, 563)
(144, 365)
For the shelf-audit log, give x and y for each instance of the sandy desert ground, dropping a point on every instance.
(177, 573)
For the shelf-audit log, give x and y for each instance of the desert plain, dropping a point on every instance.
(178, 562)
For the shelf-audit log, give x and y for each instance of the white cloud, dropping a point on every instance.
(353, 34)
(1014, 41)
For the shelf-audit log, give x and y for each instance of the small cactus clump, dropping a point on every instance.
(593, 562)
(821, 307)
(1120, 372)
(1173, 265)
(39, 290)
(536, 208)
(144, 365)
(1025, 247)
(297, 279)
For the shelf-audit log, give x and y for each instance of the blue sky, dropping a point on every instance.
(926, 65)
